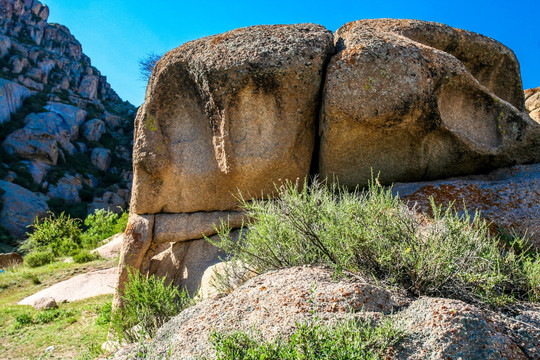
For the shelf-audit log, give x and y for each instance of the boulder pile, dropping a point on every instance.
(236, 114)
(65, 139)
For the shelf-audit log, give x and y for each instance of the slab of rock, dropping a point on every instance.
(416, 100)
(20, 208)
(111, 248)
(182, 227)
(37, 169)
(183, 263)
(93, 129)
(12, 96)
(32, 144)
(72, 116)
(109, 201)
(226, 114)
(508, 197)
(10, 259)
(79, 287)
(532, 103)
(67, 188)
(101, 158)
(451, 329)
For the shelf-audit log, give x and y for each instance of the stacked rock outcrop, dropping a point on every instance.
(224, 115)
(65, 132)
(237, 113)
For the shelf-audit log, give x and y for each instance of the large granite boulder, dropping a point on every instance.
(32, 144)
(228, 113)
(12, 96)
(418, 100)
(20, 208)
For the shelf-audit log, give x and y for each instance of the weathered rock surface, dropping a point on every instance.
(109, 201)
(271, 303)
(183, 263)
(32, 144)
(182, 227)
(416, 100)
(44, 303)
(12, 96)
(93, 129)
(228, 113)
(20, 208)
(37, 169)
(111, 248)
(67, 188)
(532, 103)
(101, 158)
(452, 329)
(508, 197)
(79, 287)
(10, 259)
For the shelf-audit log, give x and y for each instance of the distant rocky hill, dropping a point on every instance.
(65, 134)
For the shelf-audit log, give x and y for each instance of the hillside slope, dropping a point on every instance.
(65, 134)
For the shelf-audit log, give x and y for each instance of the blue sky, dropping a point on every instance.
(117, 33)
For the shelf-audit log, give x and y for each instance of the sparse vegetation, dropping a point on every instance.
(352, 339)
(373, 233)
(85, 256)
(147, 304)
(146, 65)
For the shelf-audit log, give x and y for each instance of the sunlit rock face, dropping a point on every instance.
(412, 100)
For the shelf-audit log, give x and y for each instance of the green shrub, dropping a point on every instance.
(101, 225)
(23, 320)
(346, 340)
(85, 256)
(147, 303)
(50, 315)
(104, 314)
(60, 235)
(373, 233)
(39, 258)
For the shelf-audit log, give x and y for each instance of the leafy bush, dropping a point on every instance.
(101, 225)
(346, 340)
(50, 315)
(104, 314)
(23, 320)
(147, 303)
(60, 235)
(39, 258)
(85, 256)
(373, 233)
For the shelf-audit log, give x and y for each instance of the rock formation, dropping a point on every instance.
(272, 304)
(237, 113)
(532, 103)
(227, 114)
(508, 198)
(412, 100)
(66, 135)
